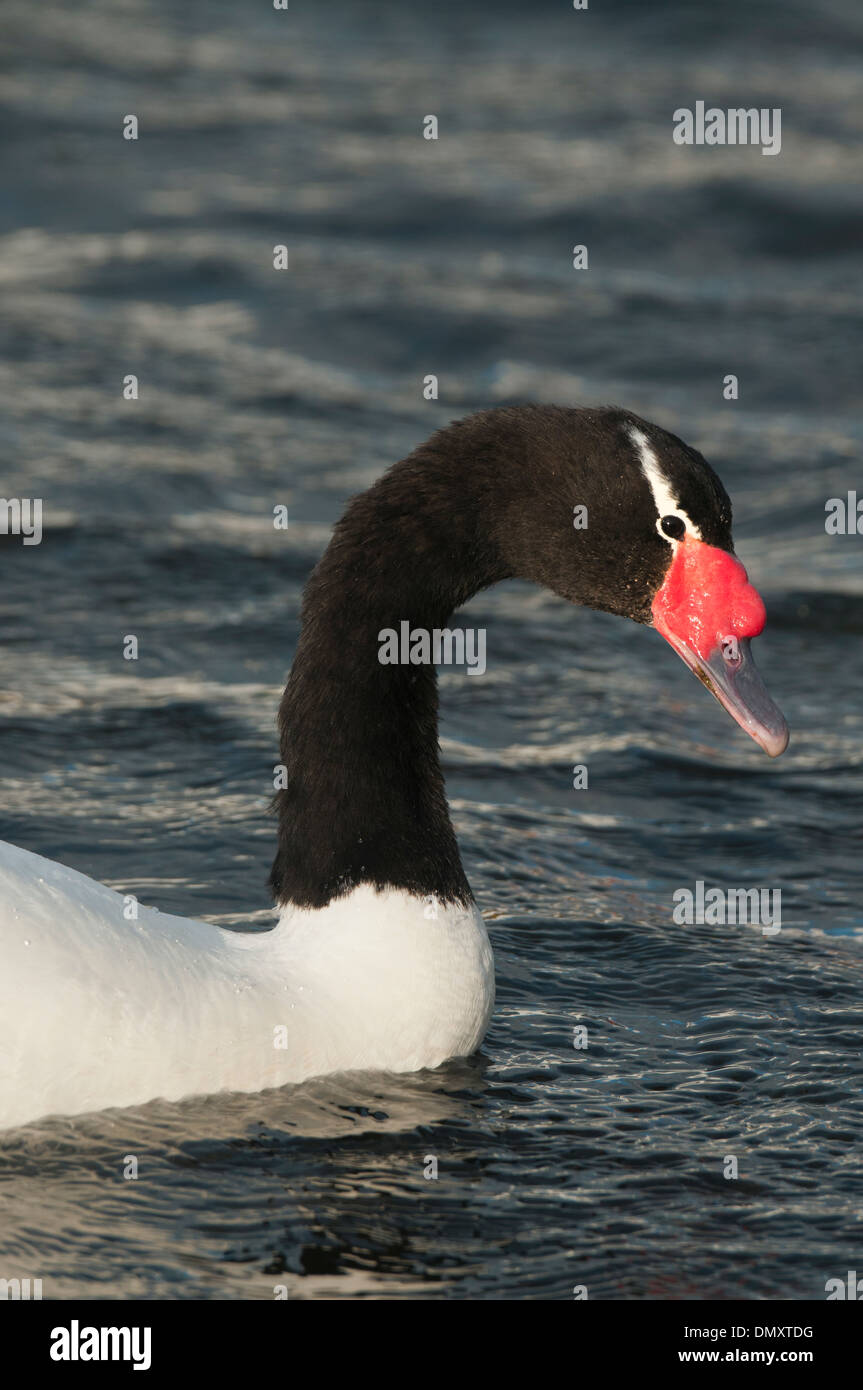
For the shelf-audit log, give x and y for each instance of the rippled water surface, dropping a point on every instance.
(557, 1167)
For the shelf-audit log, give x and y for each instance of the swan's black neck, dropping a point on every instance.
(365, 800)
(488, 498)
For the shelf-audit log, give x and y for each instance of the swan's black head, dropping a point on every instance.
(612, 512)
(585, 507)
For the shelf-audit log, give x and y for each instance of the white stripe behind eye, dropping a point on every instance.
(664, 499)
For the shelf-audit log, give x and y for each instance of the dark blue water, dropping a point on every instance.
(557, 1167)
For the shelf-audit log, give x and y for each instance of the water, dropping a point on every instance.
(557, 1167)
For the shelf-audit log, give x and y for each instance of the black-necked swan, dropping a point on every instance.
(379, 958)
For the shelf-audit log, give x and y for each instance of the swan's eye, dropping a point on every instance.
(673, 526)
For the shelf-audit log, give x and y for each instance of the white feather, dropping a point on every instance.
(664, 499)
(98, 1011)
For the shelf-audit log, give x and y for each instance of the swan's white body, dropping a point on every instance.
(97, 1010)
